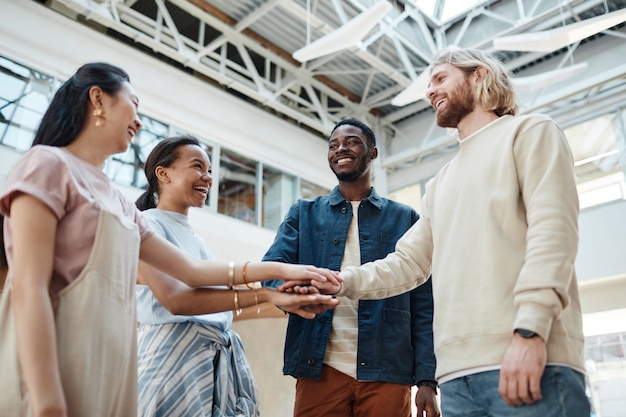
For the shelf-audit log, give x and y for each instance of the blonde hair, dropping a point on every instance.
(495, 92)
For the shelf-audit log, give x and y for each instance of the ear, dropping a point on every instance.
(480, 74)
(161, 174)
(95, 97)
(374, 152)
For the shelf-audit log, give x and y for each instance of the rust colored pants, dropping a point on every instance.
(336, 394)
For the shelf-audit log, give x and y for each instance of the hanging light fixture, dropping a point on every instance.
(414, 92)
(345, 36)
(553, 39)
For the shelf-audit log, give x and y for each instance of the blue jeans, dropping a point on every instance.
(562, 388)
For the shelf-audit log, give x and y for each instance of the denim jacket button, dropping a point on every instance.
(344, 210)
(335, 241)
(310, 361)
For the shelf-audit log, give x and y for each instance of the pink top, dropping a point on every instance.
(75, 195)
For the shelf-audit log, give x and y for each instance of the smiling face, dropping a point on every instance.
(122, 121)
(185, 183)
(451, 94)
(349, 153)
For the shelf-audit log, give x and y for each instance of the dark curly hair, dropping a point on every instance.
(164, 154)
(367, 131)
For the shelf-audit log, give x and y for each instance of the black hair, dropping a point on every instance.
(3, 254)
(67, 111)
(4, 265)
(367, 131)
(164, 154)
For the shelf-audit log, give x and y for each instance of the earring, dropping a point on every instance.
(99, 114)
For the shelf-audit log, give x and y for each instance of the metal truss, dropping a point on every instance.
(246, 46)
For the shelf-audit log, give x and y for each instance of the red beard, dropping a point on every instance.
(459, 104)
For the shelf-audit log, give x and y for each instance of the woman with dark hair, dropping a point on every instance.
(67, 314)
(190, 361)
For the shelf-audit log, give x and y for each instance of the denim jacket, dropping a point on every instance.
(395, 340)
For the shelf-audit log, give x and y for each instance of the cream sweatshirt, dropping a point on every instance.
(499, 232)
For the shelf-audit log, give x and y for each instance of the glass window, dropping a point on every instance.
(127, 168)
(310, 190)
(237, 187)
(596, 150)
(24, 97)
(279, 193)
(605, 348)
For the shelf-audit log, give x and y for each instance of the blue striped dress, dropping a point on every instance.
(189, 365)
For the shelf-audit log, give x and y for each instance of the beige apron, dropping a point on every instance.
(95, 330)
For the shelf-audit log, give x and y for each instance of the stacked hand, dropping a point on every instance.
(302, 293)
(330, 287)
(308, 275)
(306, 305)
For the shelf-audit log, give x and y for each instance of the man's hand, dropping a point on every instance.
(522, 368)
(307, 287)
(306, 305)
(426, 402)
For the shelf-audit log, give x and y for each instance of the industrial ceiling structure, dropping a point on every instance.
(375, 52)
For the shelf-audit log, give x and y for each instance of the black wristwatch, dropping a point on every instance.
(526, 334)
(428, 383)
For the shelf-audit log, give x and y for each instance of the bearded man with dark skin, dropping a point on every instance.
(360, 359)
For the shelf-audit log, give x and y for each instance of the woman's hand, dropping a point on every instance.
(304, 305)
(307, 274)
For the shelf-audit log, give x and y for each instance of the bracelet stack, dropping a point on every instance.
(231, 286)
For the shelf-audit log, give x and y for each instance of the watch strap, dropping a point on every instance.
(428, 383)
(526, 334)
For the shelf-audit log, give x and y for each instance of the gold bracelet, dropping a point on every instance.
(237, 310)
(231, 275)
(244, 273)
(256, 302)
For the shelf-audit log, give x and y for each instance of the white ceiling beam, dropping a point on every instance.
(165, 16)
(240, 26)
(370, 79)
(230, 33)
(389, 29)
(361, 52)
(266, 7)
(545, 79)
(341, 13)
(252, 70)
(466, 24)
(232, 80)
(574, 89)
